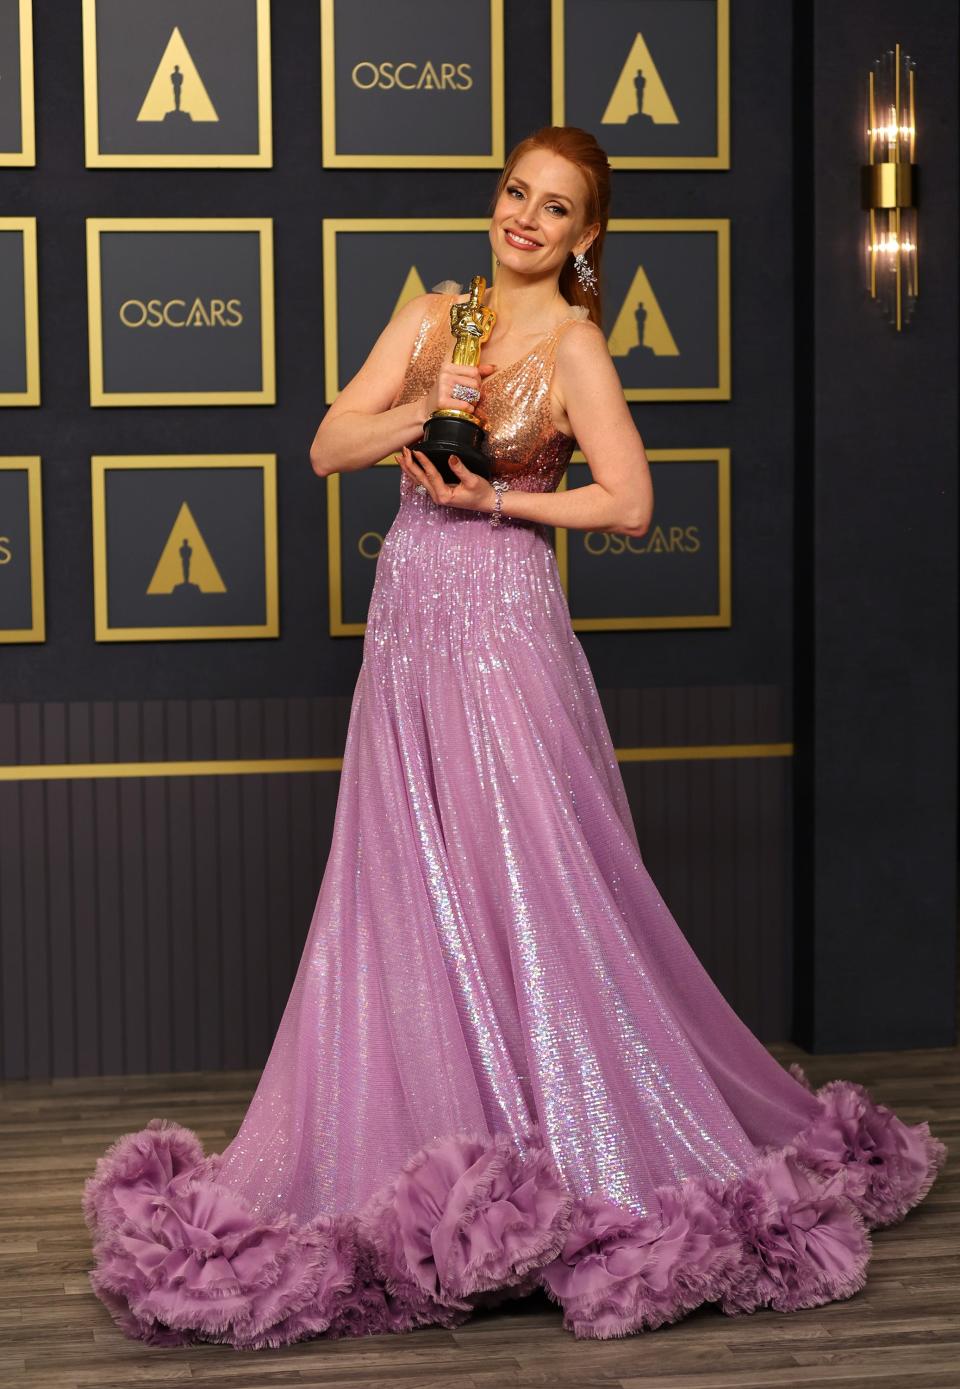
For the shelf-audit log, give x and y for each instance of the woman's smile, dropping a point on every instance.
(522, 243)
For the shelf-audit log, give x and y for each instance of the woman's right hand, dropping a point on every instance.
(440, 397)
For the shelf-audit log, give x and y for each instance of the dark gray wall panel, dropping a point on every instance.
(877, 684)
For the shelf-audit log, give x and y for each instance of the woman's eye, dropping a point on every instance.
(551, 207)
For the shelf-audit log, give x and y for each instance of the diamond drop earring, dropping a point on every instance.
(585, 274)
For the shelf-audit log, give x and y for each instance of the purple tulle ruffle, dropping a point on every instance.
(475, 1218)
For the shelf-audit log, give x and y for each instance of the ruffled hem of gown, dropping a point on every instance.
(473, 1219)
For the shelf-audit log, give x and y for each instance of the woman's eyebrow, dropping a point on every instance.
(546, 195)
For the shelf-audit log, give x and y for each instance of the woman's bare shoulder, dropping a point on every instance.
(583, 341)
(584, 367)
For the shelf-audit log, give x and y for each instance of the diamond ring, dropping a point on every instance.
(463, 392)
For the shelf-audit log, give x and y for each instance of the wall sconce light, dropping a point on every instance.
(889, 185)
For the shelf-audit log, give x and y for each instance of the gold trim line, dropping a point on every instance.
(254, 766)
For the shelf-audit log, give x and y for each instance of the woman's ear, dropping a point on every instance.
(587, 239)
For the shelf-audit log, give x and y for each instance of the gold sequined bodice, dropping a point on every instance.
(525, 444)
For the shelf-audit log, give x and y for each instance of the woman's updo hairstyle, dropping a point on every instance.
(580, 147)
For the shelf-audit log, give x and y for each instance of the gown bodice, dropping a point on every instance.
(526, 446)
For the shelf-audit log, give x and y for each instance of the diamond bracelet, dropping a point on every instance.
(500, 485)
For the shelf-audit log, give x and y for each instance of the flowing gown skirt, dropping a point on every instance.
(501, 1066)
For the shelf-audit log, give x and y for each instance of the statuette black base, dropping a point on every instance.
(445, 434)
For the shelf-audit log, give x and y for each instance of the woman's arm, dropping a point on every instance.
(620, 497)
(360, 428)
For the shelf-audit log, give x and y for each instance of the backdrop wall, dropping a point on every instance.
(152, 922)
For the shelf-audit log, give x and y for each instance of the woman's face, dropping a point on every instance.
(539, 216)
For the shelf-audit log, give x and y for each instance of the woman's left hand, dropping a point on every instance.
(472, 492)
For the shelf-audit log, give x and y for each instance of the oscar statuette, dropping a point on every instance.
(460, 431)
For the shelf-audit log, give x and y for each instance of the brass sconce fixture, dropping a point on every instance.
(889, 186)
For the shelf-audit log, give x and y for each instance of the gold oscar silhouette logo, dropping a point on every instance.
(186, 567)
(639, 96)
(177, 94)
(641, 330)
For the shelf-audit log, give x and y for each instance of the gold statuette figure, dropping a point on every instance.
(461, 432)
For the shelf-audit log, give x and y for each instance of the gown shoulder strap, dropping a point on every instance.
(577, 314)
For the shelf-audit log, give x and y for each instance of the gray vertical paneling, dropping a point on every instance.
(255, 931)
(107, 879)
(11, 906)
(183, 927)
(279, 831)
(308, 843)
(232, 960)
(155, 923)
(698, 920)
(234, 1019)
(774, 906)
(158, 887)
(207, 870)
(83, 881)
(747, 830)
(136, 991)
(256, 927)
(63, 954)
(35, 925)
(726, 954)
(12, 918)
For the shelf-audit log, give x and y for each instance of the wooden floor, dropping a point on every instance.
(902, 1329)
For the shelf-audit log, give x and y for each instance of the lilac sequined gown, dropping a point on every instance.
(501, 1066)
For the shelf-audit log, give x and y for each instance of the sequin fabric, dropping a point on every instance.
(500, 1065)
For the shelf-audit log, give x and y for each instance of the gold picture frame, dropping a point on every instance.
(333, 159)
(27, 227)
(26, 155)
(723, 617)
(101, 464)
(719, 160)
(94, 159)
(695, 225)
(37, 631)
(266, 395)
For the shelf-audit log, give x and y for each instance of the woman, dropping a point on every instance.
(501, 1066)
